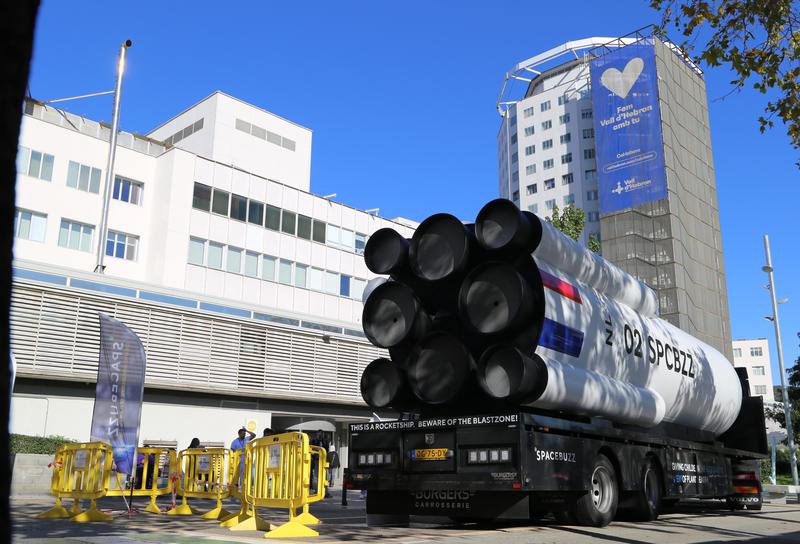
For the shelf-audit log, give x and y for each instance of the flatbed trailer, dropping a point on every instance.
(523, 464)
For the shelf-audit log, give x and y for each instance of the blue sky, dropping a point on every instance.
(401, 98)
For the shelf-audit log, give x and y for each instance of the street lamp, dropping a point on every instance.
(774, 318)
(112, 151)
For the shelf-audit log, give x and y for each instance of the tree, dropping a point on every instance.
(571, 222)
(793, 386)
(759, 40)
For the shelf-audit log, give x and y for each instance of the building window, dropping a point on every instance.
(527, 112)
(183, 133)
(529, 131)
(533, 208)
(760, 390)
(332, 235)
(758, 371)
(238, 207)
(361, 243)
(357, 288)
(532, 189)
(547, 144)
(586, 114)
(255, 212)
(285, 271)
(233, 260)
(344, 285)
(562, 100)
(514, 138)
(563, 119)
(219, 202)
(546, 125)
(347, 240)
(590, 175)
(566, 158)
(121, 245)
(548, 164)
(315, 279)
(74, 235)
(300, 275)
(289, 222)
(35, 164)
(304, 227)
(530, 150)
(593, 217)
(268, 267)
(550, 204)
(128, 190)
(756, 351)
(515, 177)
(197, 251)
(549, 183)
(591, 195)
(251, 264)
(544, 106)
(588, 153)
(514, 158)
(215, 255)
(318, 231)
(569, 199)
(566, 138)
(83, 178)
(588, 133)
(273, 218)
(530, 169)
(737, 352)
(515, 196)
(331, 283)
(566, 179)
(30, 225)
(201, 199)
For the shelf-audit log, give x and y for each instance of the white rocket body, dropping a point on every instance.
(630, 367)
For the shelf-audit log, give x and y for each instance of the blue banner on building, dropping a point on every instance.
(628, 141)
(120, 386)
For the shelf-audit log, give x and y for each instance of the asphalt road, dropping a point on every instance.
(691, 522)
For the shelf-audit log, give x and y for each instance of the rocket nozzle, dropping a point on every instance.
(383, 385)
(501, 226)
(392, 314)
(439, 247)
(386, 252)
(439, 368)
(505, 373)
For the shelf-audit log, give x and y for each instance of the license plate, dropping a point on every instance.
(430, 454)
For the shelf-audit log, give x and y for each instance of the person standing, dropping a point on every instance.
(240, 443)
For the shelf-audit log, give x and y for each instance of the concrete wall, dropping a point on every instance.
(30, 475)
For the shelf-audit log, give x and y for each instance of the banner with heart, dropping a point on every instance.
(628, 138)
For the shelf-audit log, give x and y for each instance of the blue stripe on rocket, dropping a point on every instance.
(561, 338)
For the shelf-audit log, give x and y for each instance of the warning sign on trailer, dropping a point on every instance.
(461, 421)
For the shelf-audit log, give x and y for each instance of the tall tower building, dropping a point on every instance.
(619, 128)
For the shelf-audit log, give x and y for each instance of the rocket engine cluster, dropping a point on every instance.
(510, 311)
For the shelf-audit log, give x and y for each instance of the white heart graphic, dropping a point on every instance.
(620, 83)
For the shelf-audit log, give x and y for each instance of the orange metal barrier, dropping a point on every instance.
(80, 471)
(154, 479)
(205, 474)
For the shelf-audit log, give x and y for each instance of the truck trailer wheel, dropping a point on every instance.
(598, 507)
(648, 502)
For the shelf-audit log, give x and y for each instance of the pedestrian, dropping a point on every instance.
(195, 443)
(239, 443)
(319, 441)
(333, 464)
(268, 432)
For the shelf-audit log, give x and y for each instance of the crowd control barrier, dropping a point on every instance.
(277, 474)
(152, 477)
(205, 474)
(80, 471)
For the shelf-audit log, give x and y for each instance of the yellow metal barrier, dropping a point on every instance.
(235, 472)
(152, 477)
(80, 471)
(205, 474)
(277, 474)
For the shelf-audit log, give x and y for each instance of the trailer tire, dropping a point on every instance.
(648, 500)
(599, 506)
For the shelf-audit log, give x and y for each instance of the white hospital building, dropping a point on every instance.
(244, 286)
